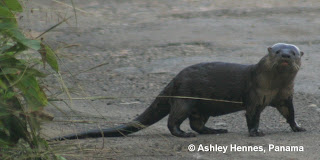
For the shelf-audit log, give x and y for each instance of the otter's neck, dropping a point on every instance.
(268, 77)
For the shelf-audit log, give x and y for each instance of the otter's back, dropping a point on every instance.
(216, 80)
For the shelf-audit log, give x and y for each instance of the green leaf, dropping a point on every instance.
(4, 115)
(16, 34)
(17, 129)
(7, 61)
(33, 94)
(9, 71)
(52, 59)
(49, 56)
(3, 85)
(20, 69)
(11, 66)
(6, 15)
(6, 25)
(13, 5)
(9, 95)
(13, 31)
(3, 143)
(14, 127)
(60, 157)
(34, 72)
(5, 48)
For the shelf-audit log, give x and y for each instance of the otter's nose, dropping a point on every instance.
(285, 55)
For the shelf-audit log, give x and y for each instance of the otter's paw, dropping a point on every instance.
(255, 133)
(218, 131)
(187, 135)
(298, 129)
(184, 134)
(221, 131)
(212, 131)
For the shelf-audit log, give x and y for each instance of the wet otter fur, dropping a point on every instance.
(220, 88)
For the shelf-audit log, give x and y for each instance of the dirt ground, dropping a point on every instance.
(138, 46)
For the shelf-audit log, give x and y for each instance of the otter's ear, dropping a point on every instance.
(301, 54)
(269, 50)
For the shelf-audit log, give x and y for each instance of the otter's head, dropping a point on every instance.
(284, 57)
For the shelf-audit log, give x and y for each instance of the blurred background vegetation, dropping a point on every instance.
(22, 97)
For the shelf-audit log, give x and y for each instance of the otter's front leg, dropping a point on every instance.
(287, 111)
(253, 118)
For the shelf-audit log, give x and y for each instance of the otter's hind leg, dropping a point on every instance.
(180, 110)
(198, 121)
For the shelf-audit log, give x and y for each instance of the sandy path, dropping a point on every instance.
(143, 44)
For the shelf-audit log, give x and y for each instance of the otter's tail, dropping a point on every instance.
(155, 112)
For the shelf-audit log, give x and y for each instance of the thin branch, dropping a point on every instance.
(83, 11)
(53, 27)
(179, 97)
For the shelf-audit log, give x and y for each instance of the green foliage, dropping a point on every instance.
(49, 56)
(21, 97)
(13, 5)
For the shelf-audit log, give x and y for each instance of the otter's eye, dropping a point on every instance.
(293, 53)
(278, 52)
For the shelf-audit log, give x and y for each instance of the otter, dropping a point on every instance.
(217, 88)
